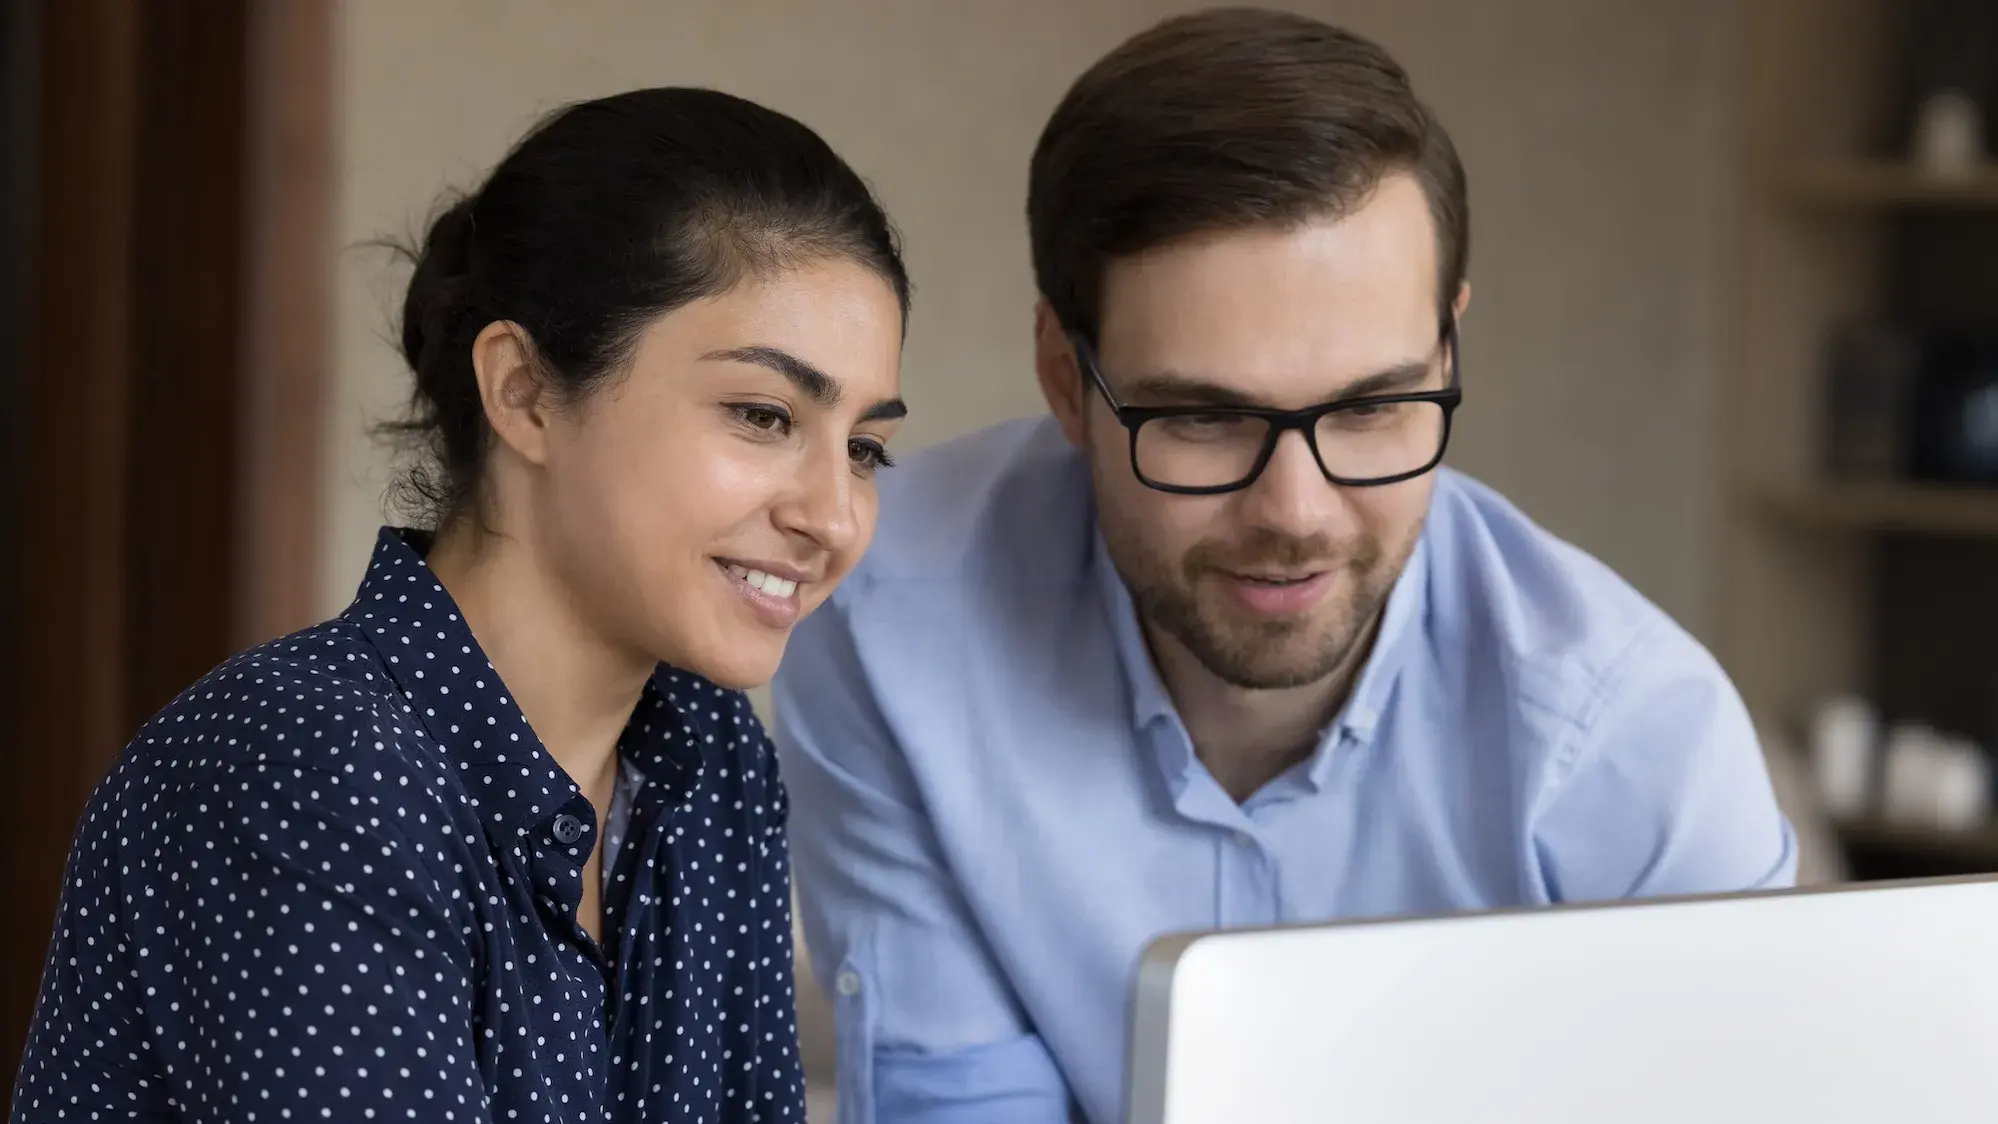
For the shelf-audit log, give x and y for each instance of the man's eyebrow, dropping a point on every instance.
(1173, 389)
(1398, 379)
(816, 384)
(1170, 389)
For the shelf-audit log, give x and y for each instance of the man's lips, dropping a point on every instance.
(1277, 594)
(1275, 578)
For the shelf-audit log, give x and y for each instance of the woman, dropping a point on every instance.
(356, 874)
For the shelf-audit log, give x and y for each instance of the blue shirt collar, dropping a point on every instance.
(430, 653)
(1152, 704)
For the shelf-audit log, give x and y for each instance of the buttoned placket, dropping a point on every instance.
(556, 865)
(644, 862)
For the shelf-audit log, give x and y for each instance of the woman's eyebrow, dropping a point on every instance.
(816, 384)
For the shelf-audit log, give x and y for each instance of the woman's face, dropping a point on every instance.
(703, 502)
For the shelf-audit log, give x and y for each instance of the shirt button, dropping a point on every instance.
(848, 983)
(568, 828)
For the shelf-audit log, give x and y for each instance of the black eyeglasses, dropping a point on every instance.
(1358, 442)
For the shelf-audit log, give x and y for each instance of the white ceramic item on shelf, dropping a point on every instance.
(1911, 774)
(1843, 736)
(1963, 775)
(1949, 135)
(1936, 780)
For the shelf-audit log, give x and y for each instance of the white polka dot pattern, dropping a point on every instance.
(326, 883)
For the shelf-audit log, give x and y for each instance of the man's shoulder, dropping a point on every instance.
(1006, 504)
(978, 581)
(1566, 626)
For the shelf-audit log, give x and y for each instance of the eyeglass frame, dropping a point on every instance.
(1280, 422)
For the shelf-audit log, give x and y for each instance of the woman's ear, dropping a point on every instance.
(512, 389)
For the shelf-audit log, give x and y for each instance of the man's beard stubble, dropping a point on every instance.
(1260, 655)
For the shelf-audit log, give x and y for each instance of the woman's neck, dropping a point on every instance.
(576, 689)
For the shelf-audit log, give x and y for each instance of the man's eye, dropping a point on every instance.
(1210, 427)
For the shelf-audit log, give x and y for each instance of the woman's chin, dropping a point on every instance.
(734, 658)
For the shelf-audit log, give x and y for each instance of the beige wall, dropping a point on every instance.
(1594, 131)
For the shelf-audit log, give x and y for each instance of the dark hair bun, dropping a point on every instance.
(438, 290)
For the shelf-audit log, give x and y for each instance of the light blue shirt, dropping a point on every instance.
(995, 806)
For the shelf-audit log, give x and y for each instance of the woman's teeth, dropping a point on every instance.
(768, 583)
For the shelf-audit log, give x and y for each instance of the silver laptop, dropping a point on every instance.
(1861, 1004)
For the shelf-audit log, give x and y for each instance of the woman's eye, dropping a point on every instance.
(868, 456)
(766, 419)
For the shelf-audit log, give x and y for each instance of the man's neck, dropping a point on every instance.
(1246, 737)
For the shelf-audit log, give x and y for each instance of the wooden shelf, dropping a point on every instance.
(1974, 848)
(1884, 185)
(1884, 506)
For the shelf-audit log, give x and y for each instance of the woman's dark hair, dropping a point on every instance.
(607, 215)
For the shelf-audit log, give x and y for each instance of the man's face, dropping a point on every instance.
(1278, 584)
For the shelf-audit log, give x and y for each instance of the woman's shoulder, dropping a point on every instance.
(320, 686)
(313, 717)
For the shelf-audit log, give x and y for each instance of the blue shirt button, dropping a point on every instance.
(568, 828)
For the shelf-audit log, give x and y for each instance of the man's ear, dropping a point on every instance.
(512, 389)
(1059, 372)
(1463, 300)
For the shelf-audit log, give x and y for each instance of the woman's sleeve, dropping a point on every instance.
(286, 951)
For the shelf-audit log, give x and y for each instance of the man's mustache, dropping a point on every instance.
(1271, 550)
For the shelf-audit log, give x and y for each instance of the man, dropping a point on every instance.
(1219, 643)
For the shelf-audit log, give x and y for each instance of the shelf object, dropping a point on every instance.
(1972, 849)
(1889, 506)
(1863, 184)
(1830, 587)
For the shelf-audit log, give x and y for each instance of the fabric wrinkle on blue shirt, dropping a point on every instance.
(339, 879)
(996, 805)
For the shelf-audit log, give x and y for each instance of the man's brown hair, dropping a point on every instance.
(1228, 119)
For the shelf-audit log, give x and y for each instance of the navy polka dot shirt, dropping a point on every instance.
(338, 879)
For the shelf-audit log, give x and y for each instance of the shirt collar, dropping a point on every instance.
(1151, 703)
(1406, 604)
(1148, 697)
(450, 685)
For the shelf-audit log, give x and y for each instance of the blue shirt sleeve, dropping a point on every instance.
(294, 955)
(929, 1031)
(1665, 791)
